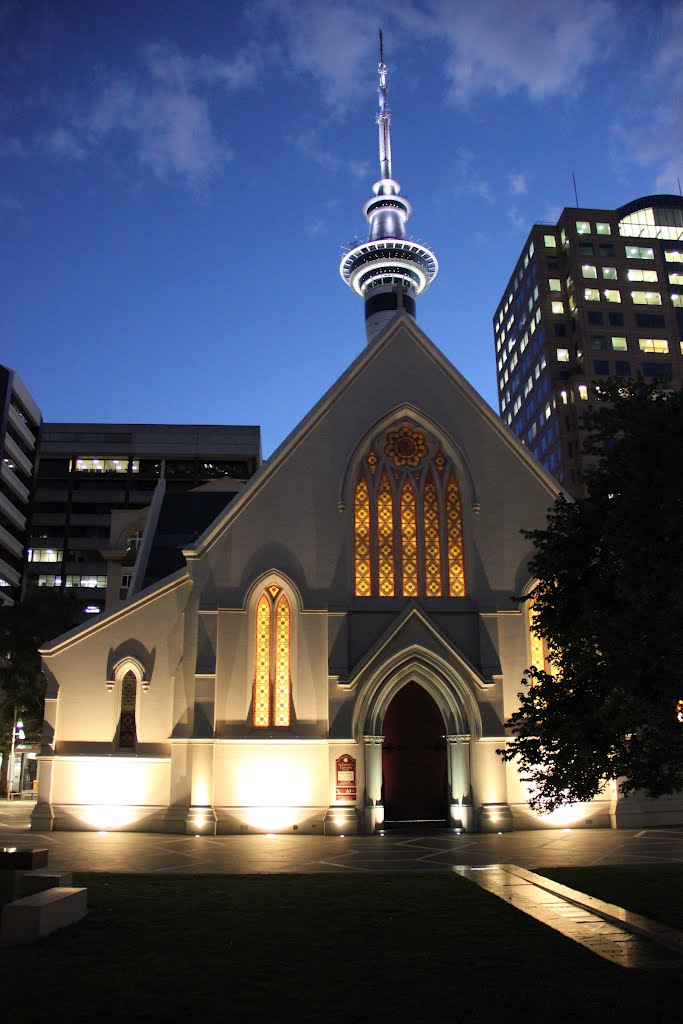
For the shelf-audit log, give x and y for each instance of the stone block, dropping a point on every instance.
(36, 916)
(41, 879)
(16, 858)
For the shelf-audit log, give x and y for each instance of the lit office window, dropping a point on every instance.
(550, 241)
(563, 355)
(44, 555)
(646, 298)
(619, 345)
(557, 307)
(588, 270)
(612, 295)
(583, 227)
(658, 345)
(639, 252)
(637, 274)
(591, 294)
(603, 229)
(609, 273)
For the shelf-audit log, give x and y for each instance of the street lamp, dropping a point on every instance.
(17, 734)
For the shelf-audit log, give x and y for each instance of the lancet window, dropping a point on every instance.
(127, 729)
(538, 648)
(272, 679)
(408, 538)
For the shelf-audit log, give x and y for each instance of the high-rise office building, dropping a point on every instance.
(20, 421)
(598, 294)
(87, 470)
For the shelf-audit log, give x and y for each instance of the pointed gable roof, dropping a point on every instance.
(402, 323)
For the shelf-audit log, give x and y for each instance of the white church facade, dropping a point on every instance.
(367, 574)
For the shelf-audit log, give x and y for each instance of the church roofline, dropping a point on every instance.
(325, 403)
(78, 633)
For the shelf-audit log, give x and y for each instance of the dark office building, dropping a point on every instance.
(88, 470)
(598, 294)
(19, 431)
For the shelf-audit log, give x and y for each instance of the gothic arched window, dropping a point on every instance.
(408, 539)
(127, 730)
(272, 679)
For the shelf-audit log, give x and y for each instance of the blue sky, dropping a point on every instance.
(177, 179)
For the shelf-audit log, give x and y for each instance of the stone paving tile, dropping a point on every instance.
(611, 932)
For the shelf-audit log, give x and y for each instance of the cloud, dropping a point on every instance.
(649, 132)
(331, 42)
(308, 143)
(538, 48)
(13, 147)
(163, 109)
(468, 181)
(516, 219)
(517, 183)
(535, 47)
(315, 228)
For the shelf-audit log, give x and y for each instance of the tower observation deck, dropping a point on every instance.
(388, 271)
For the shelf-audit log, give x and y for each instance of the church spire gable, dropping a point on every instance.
(390, 270)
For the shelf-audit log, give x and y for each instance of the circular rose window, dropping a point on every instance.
(405, 446)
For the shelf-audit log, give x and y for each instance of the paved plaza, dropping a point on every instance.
(156, 853)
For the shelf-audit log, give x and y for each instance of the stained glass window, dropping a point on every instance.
(363, 587)
(385, 538)
(537, 649)
(127, 735)
(456, 559)
(272, 679)
(262, 664)
(281, 687)
(409, 540)
(432, 541)
(408, 534)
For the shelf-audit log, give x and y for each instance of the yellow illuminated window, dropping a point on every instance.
(619, 345)
(589, 271)
(646, 298)
(409, 540)
(408, 533)
(677, 300)
(557, 307)
(262, 664)
(385, 538)
(591, 294)
(554, 284)
(361, 555)
(672, 256)
(550, 241)
(281, 683)
(675, 278)
(456, 559)
(636, 274)
(653, 345)
(612, 295)
(272, 680)
(432, 540)
(537, 646)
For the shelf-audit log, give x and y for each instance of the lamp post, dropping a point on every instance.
(17, 733)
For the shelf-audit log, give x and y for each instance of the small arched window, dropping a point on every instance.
(272, 679)
(408, 538)
(538, 648)
(127, 722)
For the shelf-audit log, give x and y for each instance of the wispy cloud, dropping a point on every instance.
(308, 143)
(517, 183)
(499, 47)
(650, 131)
(516, 219)
(468, 180)
(162, 108)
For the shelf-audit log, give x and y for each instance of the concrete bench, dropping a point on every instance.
(36, 916)
(41, 879)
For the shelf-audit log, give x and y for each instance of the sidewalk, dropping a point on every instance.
(168, 854)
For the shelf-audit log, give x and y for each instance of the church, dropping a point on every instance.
(341, 646)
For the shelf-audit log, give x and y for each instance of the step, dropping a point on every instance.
(34, 917)
(31, 882)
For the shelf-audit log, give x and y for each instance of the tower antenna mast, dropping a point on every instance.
(384, 115)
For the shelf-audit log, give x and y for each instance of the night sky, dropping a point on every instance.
(177, 180)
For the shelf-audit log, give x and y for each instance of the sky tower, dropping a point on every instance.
(388, 271)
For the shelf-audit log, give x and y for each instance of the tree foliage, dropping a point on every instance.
(609, 605)
(44, 615)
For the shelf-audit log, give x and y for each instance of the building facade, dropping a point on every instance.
(20, 423)
(88, 470)
(598, 294)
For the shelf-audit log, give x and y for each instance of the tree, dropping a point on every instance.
(609, 605)
(44, 615)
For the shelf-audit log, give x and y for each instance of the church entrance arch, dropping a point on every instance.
(414, 760)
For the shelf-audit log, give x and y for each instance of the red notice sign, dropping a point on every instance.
(346, 779)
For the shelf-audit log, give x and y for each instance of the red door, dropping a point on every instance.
(414, 768)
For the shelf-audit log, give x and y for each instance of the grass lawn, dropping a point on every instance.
(410, 947)
(655, 890)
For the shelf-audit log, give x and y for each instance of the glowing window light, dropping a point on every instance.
(127, 730)
(262, 664)
(538, 651)
(409, 540)
(456, 557)
(432, 540)
(281, 685)
(385, 538)
(361, 554)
